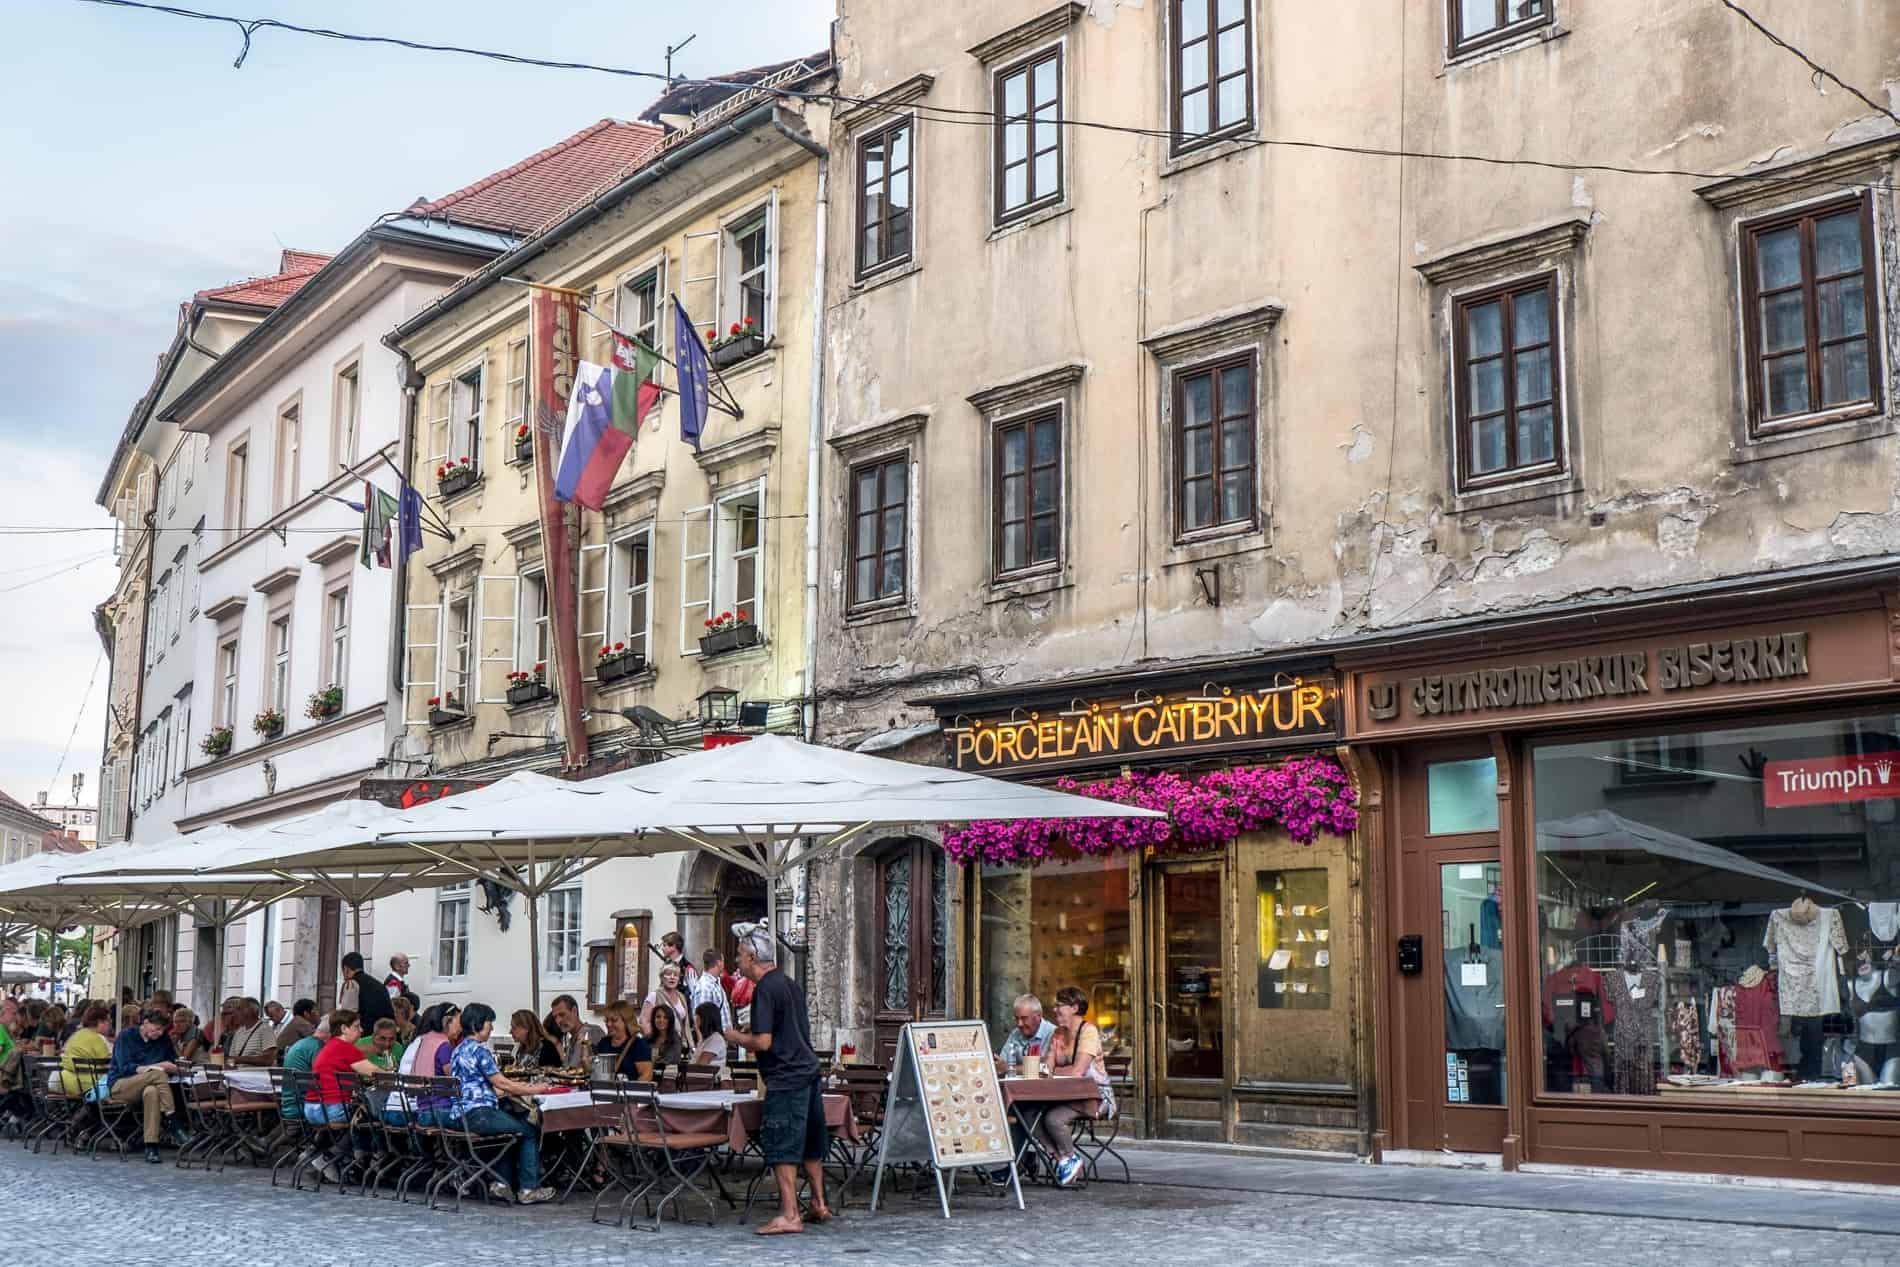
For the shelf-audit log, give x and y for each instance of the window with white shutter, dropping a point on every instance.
(696, 576)
(592, 599)
(496, 600)
(421, 660)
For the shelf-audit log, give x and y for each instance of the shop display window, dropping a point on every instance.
(1061, 922)
(1718, 910)
(1296, 939)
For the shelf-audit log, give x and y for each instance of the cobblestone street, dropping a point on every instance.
(134, 1214)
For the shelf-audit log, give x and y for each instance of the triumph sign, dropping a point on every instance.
(1864, 776)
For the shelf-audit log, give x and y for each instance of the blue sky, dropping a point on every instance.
(140, 166)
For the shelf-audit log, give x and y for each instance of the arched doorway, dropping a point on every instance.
(738, 898)
(910, 970)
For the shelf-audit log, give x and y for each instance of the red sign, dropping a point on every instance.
(1865, 776)
(721, 741)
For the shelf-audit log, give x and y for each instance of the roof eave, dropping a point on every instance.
(648, 173)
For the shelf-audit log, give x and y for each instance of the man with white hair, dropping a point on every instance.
(1030, 1030)
(793, 1132)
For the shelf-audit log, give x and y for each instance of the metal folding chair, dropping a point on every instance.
(118, 1123)
(471, 1157)
(614, 1146)
(428, 1151)
(307, 1140)
(53, 1109)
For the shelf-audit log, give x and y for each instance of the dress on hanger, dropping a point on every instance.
(1757, 1018)
(1804, 940)
(1634, 994)
(1685, 1023)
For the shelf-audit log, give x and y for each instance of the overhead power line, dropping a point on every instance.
(1819, 70)
(84, 700)
(249, 27)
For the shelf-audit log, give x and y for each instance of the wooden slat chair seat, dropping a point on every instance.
(614, 1146)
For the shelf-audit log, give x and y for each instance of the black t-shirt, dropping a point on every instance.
(778, 1009)
(372, 1001)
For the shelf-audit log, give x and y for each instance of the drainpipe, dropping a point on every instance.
(815, 421)
(411, 380)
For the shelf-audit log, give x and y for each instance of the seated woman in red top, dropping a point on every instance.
(326, 1100)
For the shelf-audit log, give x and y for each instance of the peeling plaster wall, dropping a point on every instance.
(1364, 528)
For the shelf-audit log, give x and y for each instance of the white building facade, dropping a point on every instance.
(291, 658)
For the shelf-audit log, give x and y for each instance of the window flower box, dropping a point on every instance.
(217, 743)
(616, 662)
(527, 688)
(524, 444)
(324, 704)
(269, 723)
(453, 477)
(742, 342)
(729, 632)
(445, 710)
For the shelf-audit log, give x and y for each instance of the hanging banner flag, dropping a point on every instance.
(603, 416)
(554, 320)
(695, 372)
(379, 511)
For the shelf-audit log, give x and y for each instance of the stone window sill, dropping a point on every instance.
(1005, 589)
(1853, 427)
(880, 615)
(1540, 489)
(1201, 549)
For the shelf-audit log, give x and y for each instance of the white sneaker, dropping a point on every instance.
(534, 1196)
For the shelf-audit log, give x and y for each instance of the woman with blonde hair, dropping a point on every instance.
(632, 1057)
(534, 1049)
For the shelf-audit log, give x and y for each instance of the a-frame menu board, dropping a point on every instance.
(945, 1108)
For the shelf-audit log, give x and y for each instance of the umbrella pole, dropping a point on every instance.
(534, 952)
(356, 927)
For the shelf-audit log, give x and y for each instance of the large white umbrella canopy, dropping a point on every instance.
(30, 895)
(768, 804)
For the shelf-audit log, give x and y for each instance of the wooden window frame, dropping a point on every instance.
(1460, 45)
(886, 134)
(1507, 292)
(346, 386)
(336, 637)
(881, 549)
(287, 470)
(1178, 379)
(283, 615)
(237, 487)
(228, 665)
(1025, 423)
(1180, 142)
(1026, 66)
(1804, 217)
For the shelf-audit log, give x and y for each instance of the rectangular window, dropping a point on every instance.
(346, 404)
(1507, 380)
(593, 595)
(164, 752)
(451, 931)
(226, 712)
(884, 196)
(279, 696)
(1029, 145)
(641, 315)
(517, 386)
(1294, 957)
(438, 442)
(465, 440)
(564, 932)
(1477, 23)
(336, 636)
(1027, 487)
(1214, 426)
(748, 256)
(1213, 70)
(532, 625)
(237, 489)
(1811, 313)
(168, 489)
(1035, 939)
(633, 609)
(455, 660)
(183, 759)
(1461, 796)
(736, 566)
(880, 511)
(192, 575)
(1656, 906)
(289, 455)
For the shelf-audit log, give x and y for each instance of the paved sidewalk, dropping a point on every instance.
(1206, 1210)
(1755, 1205)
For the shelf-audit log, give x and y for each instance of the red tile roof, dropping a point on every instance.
(57, 841)
(293, 270)
(541, 186)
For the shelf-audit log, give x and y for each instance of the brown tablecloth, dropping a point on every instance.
(738, 1123)
(1049, 1090)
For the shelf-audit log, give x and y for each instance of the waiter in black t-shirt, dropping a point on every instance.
(793, 1132)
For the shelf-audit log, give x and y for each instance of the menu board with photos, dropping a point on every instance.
(946, 1107)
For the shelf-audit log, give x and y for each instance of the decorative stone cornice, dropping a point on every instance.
(1868, 162)
(467, 559)
(1479, 258)
(1253, 321)
(760, 444)
(333, 549)
(1027, 389)
(1021, 36)
(282, 578)
(896, 429)
(637, 498)
(230, 605)
(876, 109)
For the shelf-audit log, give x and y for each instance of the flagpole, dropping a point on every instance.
(732, 402)
(439, 524)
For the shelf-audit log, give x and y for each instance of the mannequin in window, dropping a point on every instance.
(1873, 999)
(1804, 943)
(1634, 989)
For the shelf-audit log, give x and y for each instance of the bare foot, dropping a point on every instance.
(782, 1226)
(819, 1214)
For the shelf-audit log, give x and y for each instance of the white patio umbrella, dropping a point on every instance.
(1602, 831)
(32, 900)
(766, 805)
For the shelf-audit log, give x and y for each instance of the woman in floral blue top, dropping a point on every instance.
(473, 1065)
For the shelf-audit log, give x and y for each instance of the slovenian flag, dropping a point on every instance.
(604, 414)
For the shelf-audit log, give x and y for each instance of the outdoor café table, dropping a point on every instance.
(1032, 1098)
